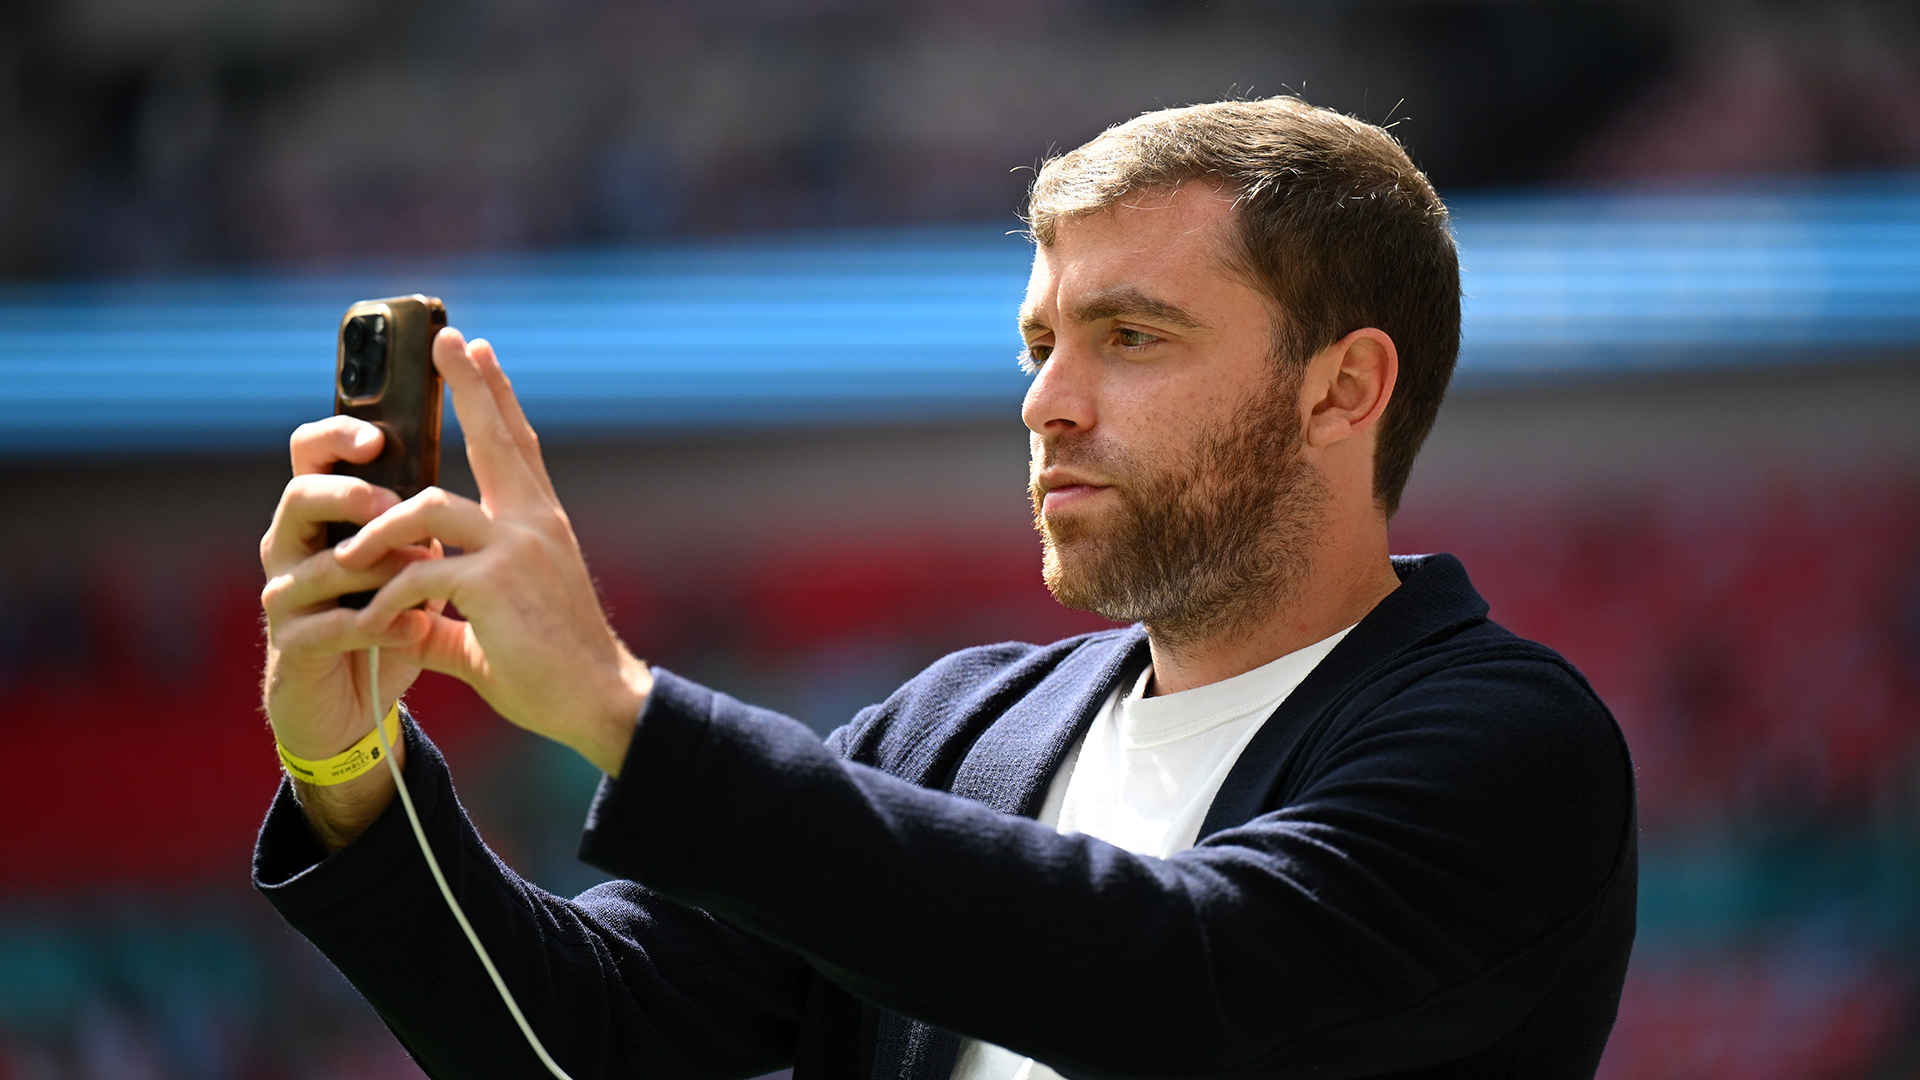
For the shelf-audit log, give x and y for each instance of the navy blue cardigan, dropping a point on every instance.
(1422, 865)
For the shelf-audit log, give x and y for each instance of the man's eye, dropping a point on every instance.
(1035, 356)
(1133, 339)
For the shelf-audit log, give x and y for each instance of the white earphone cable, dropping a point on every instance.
(433, 864)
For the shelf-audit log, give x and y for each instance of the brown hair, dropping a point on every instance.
(1336, 224)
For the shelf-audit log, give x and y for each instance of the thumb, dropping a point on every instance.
(450, 648)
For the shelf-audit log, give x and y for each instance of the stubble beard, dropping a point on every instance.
(1203, 546)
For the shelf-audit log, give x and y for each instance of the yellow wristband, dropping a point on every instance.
(347, 764)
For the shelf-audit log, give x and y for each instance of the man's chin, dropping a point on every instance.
(1077, 577)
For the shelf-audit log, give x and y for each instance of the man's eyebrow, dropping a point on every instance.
(1129, 301)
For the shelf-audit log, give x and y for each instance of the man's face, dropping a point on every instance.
(1167, 477)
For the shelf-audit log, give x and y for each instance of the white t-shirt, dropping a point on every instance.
(1143, 777)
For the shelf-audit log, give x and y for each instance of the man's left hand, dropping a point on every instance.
(535, 641)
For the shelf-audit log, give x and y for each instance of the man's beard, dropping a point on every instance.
(1202, 546)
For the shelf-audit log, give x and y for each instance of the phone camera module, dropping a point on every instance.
(363, 365)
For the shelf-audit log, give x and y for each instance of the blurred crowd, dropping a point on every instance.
(145, 135)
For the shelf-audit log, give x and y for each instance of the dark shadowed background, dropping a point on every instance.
(750, 264)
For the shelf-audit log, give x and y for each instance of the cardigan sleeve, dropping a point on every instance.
(618, 981)
(1413, 899)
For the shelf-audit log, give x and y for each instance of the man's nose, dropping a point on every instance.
(1061, 397)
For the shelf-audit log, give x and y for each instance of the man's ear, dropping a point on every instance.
(1347, 386)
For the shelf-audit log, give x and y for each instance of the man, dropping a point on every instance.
(1312, 815)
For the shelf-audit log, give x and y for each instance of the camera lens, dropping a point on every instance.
(363, 359)
(365, 334)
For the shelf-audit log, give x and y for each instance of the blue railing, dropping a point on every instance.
(914, 325)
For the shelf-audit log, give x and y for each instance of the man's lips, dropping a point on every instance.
(1062, 486)
(1059, 497)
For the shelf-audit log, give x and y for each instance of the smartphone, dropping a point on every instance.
(383, 373)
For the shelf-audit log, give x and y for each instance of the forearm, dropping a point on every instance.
(616, 982)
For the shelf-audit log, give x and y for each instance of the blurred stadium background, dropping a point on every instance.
(750, 265)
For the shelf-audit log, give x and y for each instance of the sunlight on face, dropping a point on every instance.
(1167, 477)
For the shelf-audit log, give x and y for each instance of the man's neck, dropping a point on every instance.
(1337, 593)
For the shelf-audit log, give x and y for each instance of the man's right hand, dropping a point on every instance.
(315, 687)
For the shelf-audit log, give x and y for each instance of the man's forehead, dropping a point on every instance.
(1125, 259)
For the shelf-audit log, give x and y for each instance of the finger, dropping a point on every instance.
(424, 580)
(504, 476)
(306, 505)
(434, 514)
(480, 351)
(318, 582)
(316, 446)
(450, 648)
(437, 550)
(334, 631)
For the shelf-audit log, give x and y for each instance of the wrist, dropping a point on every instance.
(339, 813)
(606, 741)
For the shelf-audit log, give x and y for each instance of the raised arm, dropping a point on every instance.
(617, 982)
(1411, 901)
